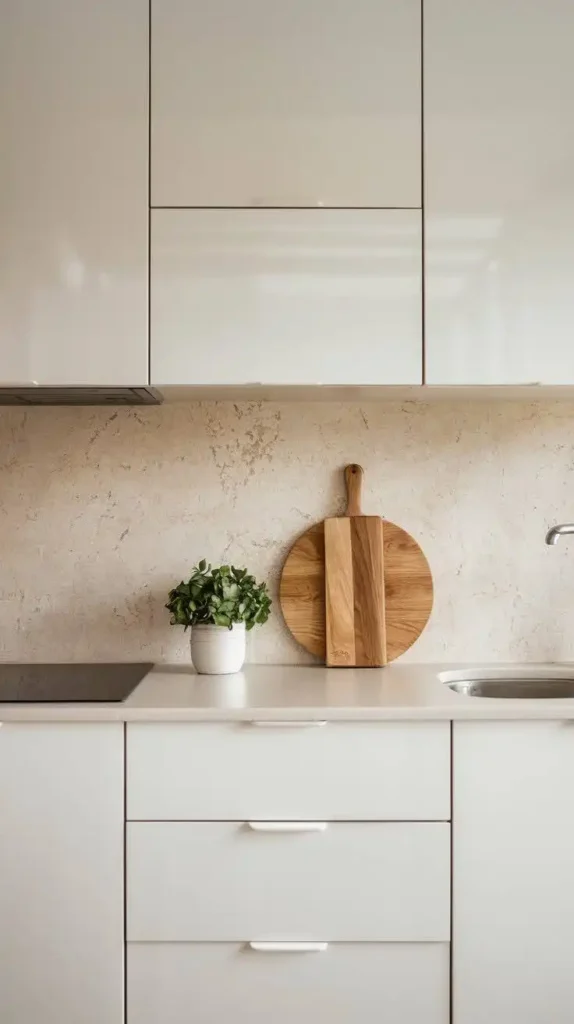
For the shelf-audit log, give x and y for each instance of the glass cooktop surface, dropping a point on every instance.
(70, 683)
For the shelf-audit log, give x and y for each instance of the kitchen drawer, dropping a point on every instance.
(229, 881)
(400, 983)
(396, 771)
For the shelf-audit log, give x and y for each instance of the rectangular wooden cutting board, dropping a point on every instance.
(355, 584)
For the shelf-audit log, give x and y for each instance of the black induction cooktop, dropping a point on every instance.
(69, 683)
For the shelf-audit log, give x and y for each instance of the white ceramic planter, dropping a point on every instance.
(217, 650)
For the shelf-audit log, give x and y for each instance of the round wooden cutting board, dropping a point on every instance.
(408, 590)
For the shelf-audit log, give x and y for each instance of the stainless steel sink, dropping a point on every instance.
(512, 687)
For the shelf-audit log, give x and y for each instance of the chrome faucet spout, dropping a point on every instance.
(559, 531)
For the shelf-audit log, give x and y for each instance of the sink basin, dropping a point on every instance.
(529, 687)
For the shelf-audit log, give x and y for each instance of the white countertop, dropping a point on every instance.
(171, 693)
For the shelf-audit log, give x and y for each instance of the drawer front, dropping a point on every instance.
(368, 982)
(398, 771)
(229, 881)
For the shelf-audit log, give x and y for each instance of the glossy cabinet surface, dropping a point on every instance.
(310, 771)
(398, 983)
(513, 851)
(302, 103)
(73, 192)
(277, 890)
(286, 297)
(355, 881)
(61, 874)
(499, 191)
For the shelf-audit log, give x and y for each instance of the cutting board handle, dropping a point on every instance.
(354, 481)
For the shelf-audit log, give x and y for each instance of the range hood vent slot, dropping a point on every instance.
(24, 396)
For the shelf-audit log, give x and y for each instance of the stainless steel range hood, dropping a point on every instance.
(24, 395)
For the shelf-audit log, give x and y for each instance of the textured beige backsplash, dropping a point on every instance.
(101, 511)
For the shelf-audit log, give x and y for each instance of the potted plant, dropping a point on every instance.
(219, 604)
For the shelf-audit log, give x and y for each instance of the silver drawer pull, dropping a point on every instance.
(287, 826)
(288, 947)
(289, 725)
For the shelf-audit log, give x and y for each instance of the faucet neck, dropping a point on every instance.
(561, 530)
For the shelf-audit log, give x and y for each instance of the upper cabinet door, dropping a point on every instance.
(286, 297)
(73, 191)
(297, 103)
(499, 182)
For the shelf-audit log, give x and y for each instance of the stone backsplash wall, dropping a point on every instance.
(102, 510)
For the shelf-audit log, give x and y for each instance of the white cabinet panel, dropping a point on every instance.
(73, 191)
(363, 770)
(499, 182)
(216, 982)
(286, 297)
(354, 881)
(61, 874)
(513, 895)
(301, 103)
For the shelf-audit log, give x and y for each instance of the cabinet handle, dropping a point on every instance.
(314, 724)
(288, 947)
(287, 202)
(287, 826)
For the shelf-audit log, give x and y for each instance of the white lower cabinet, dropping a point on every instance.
(325, 915)
(216, 983)
(513, 873)
(61, 874)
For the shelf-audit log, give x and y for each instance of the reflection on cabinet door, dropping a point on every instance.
(299, 103)
(73, 192)
(394, 983)
(286, 297)
(499, 179)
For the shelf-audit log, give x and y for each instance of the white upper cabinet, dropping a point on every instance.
(286, 297)
(499, 184)
(299, 103)
(73, 191)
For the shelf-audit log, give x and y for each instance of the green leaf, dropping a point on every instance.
(221, 595)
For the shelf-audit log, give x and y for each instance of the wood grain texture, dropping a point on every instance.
(354, 590)
(408, 590)
(339, 592)
(354, 484)
(354, 583)
(368, 591)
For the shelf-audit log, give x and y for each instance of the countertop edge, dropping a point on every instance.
(399, 693)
